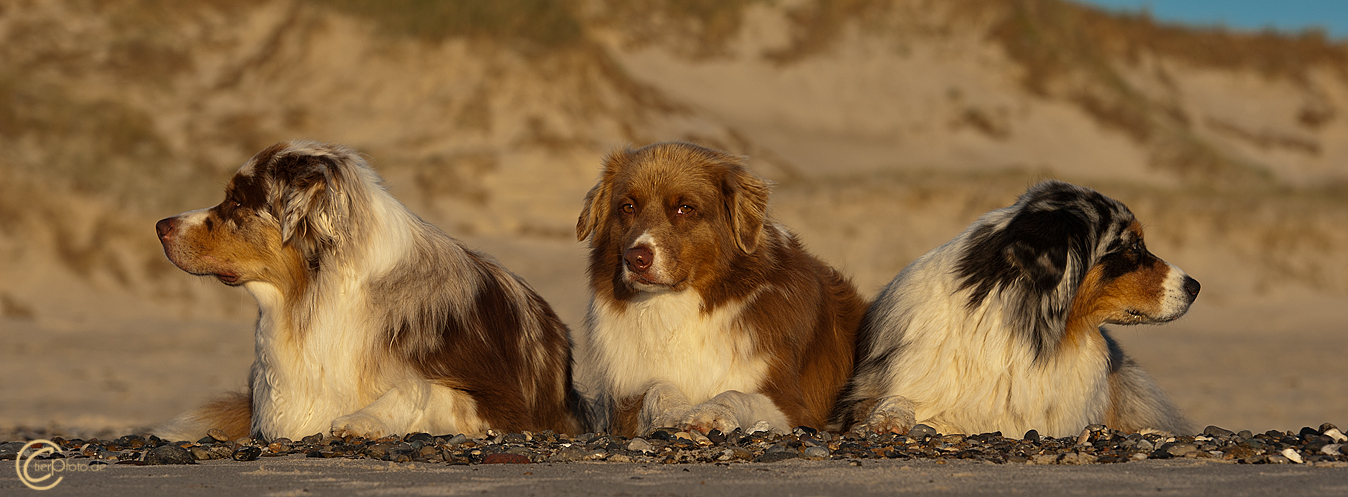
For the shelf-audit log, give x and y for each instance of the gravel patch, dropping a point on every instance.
(1323, 446)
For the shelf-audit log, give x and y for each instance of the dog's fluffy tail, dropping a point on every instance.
(1136, 403)
(232, 414)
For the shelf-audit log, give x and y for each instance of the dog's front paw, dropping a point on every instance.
(708, 417)
(359, 424)
(701, 417)
(891, 414)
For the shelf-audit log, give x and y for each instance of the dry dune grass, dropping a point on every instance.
(530, 25)
(1069, 49)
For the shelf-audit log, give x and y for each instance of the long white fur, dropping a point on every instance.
(677, 343)
(323, 371)
(700, 355)
(960, 368)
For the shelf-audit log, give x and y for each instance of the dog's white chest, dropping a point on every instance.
(301, 384)
(667, 337)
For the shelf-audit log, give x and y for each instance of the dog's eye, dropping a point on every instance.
(1137, 247)
(684, 210)
(628, 208)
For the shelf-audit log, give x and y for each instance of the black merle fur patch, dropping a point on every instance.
(1036, 260)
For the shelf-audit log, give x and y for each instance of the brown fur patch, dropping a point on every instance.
(1101, 298)
(806, 321)
(627, 415)
(232, 414)
(245, 250)
(708, 216)
(1113, 417)
(487, 354)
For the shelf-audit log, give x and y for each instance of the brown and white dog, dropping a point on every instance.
(1000, 329)
(371, 321)
(705, 314)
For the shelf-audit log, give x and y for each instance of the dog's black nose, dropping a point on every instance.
(164, 228)
(639, 258)
(1191, 287)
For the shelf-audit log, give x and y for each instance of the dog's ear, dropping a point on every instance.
(1041, 242)
(746, 198)
(309, 201)
(595, 212)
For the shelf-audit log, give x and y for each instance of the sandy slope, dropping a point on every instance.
(885, 139)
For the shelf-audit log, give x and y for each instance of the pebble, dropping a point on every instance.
(716, 436)
(217, 434)
(93, 451)
(221, 451)
(246, 453)
(1337, 435)
(760, 426)
(577, 453)
(1216, 431)
(1046, 459)
(169, 454)
(698, 438)
(1084, 438)
(1077, 458)
(921, 431)
(1292, 455)
(424, 438)
(640, 445)
(816, 453)
(505, 459)
(10, 451)
(1179, 450)
(735, 454)
(777, 456)
(456, 439)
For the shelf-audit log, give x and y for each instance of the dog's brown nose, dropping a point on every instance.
(639, 258)
(164, 228)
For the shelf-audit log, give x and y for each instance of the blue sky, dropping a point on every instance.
(1283, 15)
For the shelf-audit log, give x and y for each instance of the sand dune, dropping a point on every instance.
(887, 128)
